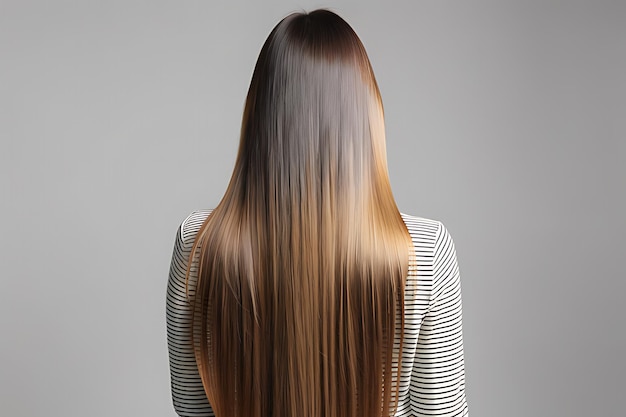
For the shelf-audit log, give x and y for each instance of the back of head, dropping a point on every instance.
(303, 262)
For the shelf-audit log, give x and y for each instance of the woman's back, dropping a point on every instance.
(432, 378)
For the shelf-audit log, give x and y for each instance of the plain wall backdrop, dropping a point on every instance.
(506, 120)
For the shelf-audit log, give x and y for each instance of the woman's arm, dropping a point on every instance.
(438, 377)
(187, 391)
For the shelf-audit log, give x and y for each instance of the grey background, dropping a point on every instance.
(505, 120)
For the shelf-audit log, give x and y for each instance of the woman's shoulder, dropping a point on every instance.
(195, 219)
(435, 246)
(424, 231)
(190, 226)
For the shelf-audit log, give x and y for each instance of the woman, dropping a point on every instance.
(305, 292)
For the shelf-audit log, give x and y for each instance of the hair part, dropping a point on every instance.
(302, 265)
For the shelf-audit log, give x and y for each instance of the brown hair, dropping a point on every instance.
(302, 265)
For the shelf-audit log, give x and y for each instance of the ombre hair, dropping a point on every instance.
(299, 299)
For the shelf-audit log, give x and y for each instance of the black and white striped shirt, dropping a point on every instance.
(432, 379)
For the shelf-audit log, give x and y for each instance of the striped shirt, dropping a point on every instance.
(432, 379)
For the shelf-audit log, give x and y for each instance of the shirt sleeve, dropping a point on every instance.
(438, 375)
(188, 392)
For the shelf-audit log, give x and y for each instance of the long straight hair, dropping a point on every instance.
(299, 299)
